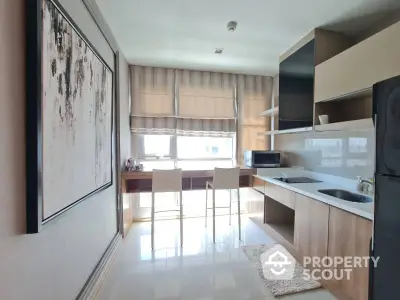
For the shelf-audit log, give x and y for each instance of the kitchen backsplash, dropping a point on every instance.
(341, 153)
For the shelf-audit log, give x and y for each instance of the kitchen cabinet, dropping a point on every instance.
(311, 227)
(349, 236)
(258, 184)
(359, 67)
(280, 194)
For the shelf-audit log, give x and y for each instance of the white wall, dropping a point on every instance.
(55, 263)
(125, 132)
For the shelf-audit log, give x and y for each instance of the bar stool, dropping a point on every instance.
(166, 181)
(224, 179)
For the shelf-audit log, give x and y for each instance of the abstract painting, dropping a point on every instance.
(76, 115)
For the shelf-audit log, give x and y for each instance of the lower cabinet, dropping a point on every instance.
(311, 227)
(259, 184)
(321, 231)
(349, 236)
(280, 194)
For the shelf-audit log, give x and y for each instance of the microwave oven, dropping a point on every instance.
(262, 159)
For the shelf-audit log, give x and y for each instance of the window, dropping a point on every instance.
(205, 147)
(155, 146)
(158, 145)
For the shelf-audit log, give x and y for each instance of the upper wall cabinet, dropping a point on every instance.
(327, 45)
(296, 76)
(359, 67)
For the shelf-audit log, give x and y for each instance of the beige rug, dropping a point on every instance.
(279, 287)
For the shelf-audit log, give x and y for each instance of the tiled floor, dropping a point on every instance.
(198, 271)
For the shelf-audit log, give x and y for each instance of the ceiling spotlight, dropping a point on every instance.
(232, 26)
(218, 50)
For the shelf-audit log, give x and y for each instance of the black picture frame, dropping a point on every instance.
(34, 115)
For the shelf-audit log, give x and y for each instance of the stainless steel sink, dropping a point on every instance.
(346, 195)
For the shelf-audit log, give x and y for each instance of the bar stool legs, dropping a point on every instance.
(240, 225)
(206, 203)
(213, 209)
(181, 216)
(152, 220)
(230, 207)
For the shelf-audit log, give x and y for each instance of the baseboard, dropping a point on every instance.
(93, 284)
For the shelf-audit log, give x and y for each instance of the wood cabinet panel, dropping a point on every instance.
(259, 184)
(349, 235)
(311, 227)
(359, 67)
(280, 194)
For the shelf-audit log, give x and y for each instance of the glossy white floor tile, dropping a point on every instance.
(200, 270)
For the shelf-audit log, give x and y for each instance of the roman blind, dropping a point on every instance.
(183, 102)
(206, 103)
(152, 92)
(153, 103)
(254, 96)
(206, 95)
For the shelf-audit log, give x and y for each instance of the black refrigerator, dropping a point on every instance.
(385, 278)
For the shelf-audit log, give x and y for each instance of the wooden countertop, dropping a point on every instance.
(147, 174)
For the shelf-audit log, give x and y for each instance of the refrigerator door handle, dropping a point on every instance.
(374, 103)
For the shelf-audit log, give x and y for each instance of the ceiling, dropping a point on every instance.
(185, 33)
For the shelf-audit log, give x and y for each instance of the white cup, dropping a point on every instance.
(323, 119)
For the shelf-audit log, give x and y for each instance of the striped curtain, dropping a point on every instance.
(254, 96)
(183, 102)
(206, 95)
(153, 125)
(152, 92)
(206, 127)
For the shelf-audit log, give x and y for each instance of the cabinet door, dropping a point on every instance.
(359, 67)
(259, 184)
(311, 227)
(349, 235)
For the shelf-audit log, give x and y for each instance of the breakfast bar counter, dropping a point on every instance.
(141, 181)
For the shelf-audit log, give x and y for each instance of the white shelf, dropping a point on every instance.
(270, 112)
(272, 132)
(275, 132)
(362, 124)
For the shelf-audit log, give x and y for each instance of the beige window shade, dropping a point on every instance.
(152, 91)
(254, 94)
(153, 125)
(206, 127)
(205, 95)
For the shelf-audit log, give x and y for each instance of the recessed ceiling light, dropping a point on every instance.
(218, 50)
(231, 26)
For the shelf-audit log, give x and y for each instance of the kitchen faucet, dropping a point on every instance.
(361, 185)
(284, 175)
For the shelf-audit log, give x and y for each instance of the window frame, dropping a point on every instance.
(173, 155)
